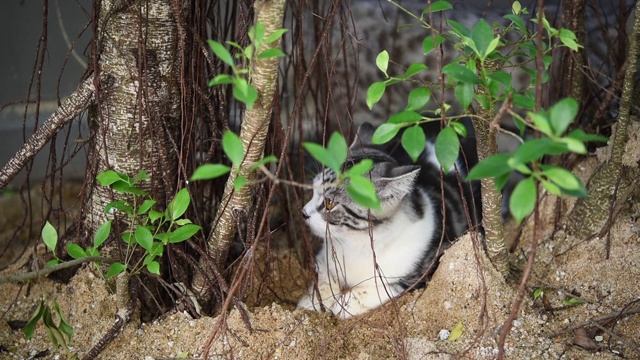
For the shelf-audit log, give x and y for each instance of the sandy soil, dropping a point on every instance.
(464, 290)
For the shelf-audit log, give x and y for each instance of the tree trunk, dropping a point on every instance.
(589, 215)
(136, 116)
(253, 133)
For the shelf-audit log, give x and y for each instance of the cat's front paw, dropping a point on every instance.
(311, 300)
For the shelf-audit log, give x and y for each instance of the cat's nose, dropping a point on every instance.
(305, 215)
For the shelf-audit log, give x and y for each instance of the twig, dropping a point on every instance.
(72, 106)
(610, 316)
(23, 277)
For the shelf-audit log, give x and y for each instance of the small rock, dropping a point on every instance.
(444, 334)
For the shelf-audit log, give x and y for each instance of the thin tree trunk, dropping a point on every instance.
(589, 215)
(253, 133)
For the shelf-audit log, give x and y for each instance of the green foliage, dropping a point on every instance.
(149, 229)
(240, 78)
(60, 334)
(481, 79)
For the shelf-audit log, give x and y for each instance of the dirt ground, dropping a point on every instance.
(465, 292)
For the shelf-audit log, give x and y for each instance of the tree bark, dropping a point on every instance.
(137, 118)
(255, 125)
(589, 215)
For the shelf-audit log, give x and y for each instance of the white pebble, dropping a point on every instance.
(599, 338)
(444, 334)
(447, 305)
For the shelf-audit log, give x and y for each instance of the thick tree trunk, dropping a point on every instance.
(255, 125)
(136, 117)
(589, 215)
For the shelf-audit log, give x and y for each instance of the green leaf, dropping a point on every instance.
(524, 102)
(523, 199)
(572, 301)
(458, 29)
(64, 326)
(30, 327)
(183, 233)
(221, 52)
(537, 293)
(374, 93)
(438, 6)
(414, 69)
(541, 121)
(562, 115)
(516, 7)
(239, 182)
(459, 128)
(568, 38)
(233, 148)
(275, 35)
(125, 188)
(447, 148)
(115, 269)
(338, 148)
(384, 133)
(244, 92)
(146, 205)
(565, 179)
(109, 177)
(360, 168)
(460, 73)
(573, 145)
(75, 251)
(413, 141)
(178, 206)
(271, 53)
(210, 171)
(456, 332)
(518, 23)
(382, 62)
(529, 151)
(362, 191)
(322, 155)
(502, 77)
(551, 187)
(144, 237)
(405, 117)
(181, 222)
(492, 166)
(154, 267)
(142, 175)
(578, 134)
(418, 98)
(102, 233)
(50, 236)
(52, 262)
(155, 215)
(265, 160)
(482, 36)
(91, 251)
(464, 94)
(256, 33)
(118, 205)
(428, 44)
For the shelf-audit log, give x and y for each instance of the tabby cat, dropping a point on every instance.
(370, 257)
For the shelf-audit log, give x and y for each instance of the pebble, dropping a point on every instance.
(444, 334)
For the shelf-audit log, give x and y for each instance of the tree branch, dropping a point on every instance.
(22, 277)
(72, 106)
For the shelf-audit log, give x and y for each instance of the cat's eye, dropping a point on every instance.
(328, 204)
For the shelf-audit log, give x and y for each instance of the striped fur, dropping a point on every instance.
(369, 257)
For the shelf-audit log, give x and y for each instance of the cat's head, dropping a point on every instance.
(332, 211)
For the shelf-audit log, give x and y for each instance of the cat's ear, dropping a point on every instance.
(396, 182)
(363, 136)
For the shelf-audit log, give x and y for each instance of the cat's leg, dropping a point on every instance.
(328, 292)
(364, 297)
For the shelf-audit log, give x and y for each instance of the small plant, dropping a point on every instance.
(60, 334)
(149, 229)
(480, 83)
(241, 77)
(333, 156)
